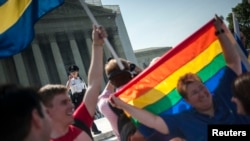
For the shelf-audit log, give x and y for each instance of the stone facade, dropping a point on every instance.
(144, 56)
(63, 37)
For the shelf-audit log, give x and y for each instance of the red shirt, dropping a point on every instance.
(72, 133)
(82, 114)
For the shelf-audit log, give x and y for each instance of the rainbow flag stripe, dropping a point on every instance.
(155, 88)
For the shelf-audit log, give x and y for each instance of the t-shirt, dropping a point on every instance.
(82, 114)
(72, 133)
(192, 125)
(107, 111)
(77, 85)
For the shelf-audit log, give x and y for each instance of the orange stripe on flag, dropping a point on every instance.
(147, 80)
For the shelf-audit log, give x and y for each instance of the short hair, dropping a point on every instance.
(117, 76)
(16, 106)
(241, 88)
(184, 81)
(49, 91)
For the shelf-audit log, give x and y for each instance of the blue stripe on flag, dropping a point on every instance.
(182, 105)
(2, 1)
(211, 84)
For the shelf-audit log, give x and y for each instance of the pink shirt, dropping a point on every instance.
(107, 111)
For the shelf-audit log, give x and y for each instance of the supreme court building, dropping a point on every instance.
(62, 38)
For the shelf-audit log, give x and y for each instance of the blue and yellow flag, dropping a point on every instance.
(17, 19)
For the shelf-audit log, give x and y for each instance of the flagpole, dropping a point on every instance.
(92, 18)
(242, 55)
(236, 25)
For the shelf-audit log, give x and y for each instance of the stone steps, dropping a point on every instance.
(107, 133)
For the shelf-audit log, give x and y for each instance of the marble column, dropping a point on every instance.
(77, 55)
(124, 39)
(58, 59)
(88, 40)
(44, 78)
(116, 44)
(21, 70)
(3, 78)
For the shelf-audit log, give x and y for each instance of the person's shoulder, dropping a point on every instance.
(79, 78)
(75, 131)
(73, 128)
(72, 134)
(78, 134)
(83, 136)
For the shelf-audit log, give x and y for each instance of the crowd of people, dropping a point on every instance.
(58, 112)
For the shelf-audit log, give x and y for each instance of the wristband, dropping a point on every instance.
(219, 32)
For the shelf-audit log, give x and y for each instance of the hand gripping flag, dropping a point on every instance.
(17, 19)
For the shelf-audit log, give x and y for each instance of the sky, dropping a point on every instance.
(166, 23)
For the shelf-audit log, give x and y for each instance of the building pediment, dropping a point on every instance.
(75, 9)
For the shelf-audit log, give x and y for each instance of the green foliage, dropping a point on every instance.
(242, 12)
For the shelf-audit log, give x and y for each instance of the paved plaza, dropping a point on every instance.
(104, 126)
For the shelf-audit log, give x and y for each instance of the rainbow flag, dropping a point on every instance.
(17, 20)
(155, 88)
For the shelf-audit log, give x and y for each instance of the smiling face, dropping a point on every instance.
(198, 96)
(61, 109)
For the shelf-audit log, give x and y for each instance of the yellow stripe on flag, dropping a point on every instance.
(11, 11)
(167, 85)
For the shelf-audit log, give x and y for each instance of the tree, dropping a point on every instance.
(242, 12)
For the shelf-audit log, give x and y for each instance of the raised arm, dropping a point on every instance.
(229, 45)
(143, 116)
(95, 73)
